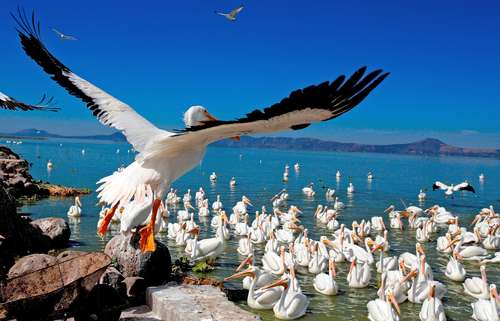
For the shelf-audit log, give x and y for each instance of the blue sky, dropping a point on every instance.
(163, 56)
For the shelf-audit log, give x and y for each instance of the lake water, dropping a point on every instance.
(258, 172)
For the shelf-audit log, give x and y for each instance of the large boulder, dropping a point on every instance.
(155, 267)
(56, 229)
(31, 263)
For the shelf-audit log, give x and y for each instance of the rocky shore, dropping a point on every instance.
(17, 180)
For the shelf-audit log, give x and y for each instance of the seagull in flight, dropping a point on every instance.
(9, 103)
(164, 156)
(232, 15)
(450, 189)
(63, 36)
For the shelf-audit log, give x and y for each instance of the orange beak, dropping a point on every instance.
(242, 274)
(236, 138)
(280, 282)
(394, 302)
(246, 261)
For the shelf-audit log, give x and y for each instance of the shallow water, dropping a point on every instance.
(258, 172)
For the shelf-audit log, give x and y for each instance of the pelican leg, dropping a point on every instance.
(147, 241)
(101, 230)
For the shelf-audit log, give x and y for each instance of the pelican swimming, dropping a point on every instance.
(381, 309)
(477, 287)
(455, 270)
(308, 190)
(165, 156)
(325, 283)
(213, 177)
(359, 275)
(487, 310)
(75, 210)
(432, 307)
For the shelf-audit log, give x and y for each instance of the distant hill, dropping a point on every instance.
(429, 146)
(38, 133)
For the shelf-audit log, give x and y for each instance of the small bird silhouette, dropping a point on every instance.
(232, 15)
(63, 36)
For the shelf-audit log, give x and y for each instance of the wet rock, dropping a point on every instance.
(57, 229)
(155, 267)
(135, 289)
(31, 263)
(69, 254)
(113, 278)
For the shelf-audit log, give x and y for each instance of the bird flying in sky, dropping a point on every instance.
(231, 16)
(63, 36)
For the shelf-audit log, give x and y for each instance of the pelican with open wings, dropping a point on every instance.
(450, 189)
(9, 103)
(165, 156)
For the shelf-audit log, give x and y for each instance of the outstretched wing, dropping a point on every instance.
(439, 185)
(236, 11)
(108, 110)
(464, 187)
(46, 104)
(303, 107)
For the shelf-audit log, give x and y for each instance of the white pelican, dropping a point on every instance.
(273, 262)
(477, 287)
(432, 308)
(454, 269)
(165, 156)
(330, 193)
(296, 167)
(258, 300)
(362, 255)
(75, 210)
(381, 309)
(187, 197)
(492, 241)
(184, 215)
(419, 289)
(359, 275)
(471, 252)
(50, 165)
(63, 36)
(481, 177)
(245, 246)
(213, 177)
(203, 211)
(241, 206)
(232, 182)
(318, 262)
(422, 196)
(308, 190)
(369, 176)
(338, 205)
(217, 205)
(378, 223)
(292, 303)
(264, 278)
(350, 188)
(272, 244)
(487, 310)
(450, 189)
(242, 228)
(231, 16)
(9, 103)
(494, 259)
(338, 174)
(325, 283)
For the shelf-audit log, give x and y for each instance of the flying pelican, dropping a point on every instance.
(9, 103)
(165, 156)
(450, 189)
(63, 36)
(231, 16)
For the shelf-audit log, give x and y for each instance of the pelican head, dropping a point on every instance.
(251, 272)
(196, 116)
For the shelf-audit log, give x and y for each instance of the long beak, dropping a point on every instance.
(195, 230)
(210, 117)
(394, 302)
(389, 209)
(377, 247)
(246, 261)
(353, 265)
(242, 274)
(247, 201)
(280, 282)
(408, 276)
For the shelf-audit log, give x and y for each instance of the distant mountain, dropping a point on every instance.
(38, 133)
(429, 146)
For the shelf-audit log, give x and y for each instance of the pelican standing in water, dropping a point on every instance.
(75, 210)
(165, 156)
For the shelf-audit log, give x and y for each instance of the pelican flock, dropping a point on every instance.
(277, 250)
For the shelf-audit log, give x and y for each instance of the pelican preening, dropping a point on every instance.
(450, 189)
(45, 104)
(165, 156)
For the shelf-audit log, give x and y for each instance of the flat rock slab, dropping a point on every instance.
(139, 313)
(194, 303)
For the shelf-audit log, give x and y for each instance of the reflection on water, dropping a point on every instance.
(397, 179)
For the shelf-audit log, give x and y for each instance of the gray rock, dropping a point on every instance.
(113, 278)
(31, 263)
(57, 229)
(155, 267)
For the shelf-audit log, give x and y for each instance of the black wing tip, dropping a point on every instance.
(26, 26)
(469, 188)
